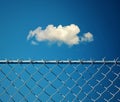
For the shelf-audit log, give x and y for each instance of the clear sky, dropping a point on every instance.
(100, 17)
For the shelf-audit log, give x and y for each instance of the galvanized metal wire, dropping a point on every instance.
(60, 80)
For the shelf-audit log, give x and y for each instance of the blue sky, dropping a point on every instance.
(100, 17)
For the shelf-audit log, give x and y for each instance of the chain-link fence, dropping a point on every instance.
(64, 81)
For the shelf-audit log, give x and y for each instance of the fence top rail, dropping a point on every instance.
(59, 61)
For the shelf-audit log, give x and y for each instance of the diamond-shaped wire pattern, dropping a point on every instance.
(64, 81)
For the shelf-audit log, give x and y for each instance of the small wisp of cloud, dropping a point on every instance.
(87, 37)
(34, 42)
(61, 35)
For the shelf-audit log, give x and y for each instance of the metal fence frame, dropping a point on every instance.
(115, 61)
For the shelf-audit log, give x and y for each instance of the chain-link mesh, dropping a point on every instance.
(64, 81)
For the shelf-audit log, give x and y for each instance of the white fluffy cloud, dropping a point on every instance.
(87, 37)
(61, 34)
